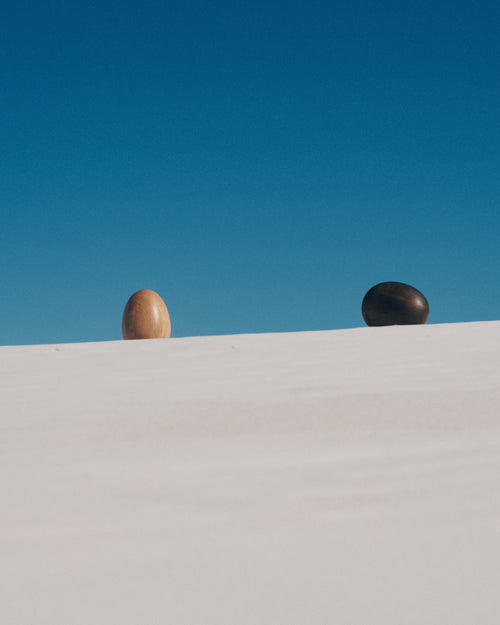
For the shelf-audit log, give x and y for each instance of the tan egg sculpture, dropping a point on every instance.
(146, 317)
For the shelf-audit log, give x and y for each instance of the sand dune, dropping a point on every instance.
(347, 476)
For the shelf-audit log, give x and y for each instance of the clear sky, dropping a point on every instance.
(260, 165)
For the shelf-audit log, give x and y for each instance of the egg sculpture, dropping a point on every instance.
(146, 317)
(394, 303)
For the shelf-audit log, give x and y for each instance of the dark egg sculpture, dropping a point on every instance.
(394, 303)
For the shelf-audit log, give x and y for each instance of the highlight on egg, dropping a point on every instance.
(145, 317)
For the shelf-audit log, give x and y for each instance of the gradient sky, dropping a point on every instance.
(260, 165)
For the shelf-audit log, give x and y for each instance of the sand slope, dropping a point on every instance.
(346, 476)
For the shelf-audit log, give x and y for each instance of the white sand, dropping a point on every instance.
(344, 477)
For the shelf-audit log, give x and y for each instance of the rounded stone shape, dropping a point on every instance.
(394, 303)
(146, 317)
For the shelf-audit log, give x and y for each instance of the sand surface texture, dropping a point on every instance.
(340, 477)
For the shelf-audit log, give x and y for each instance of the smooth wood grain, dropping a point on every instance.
(146, 317)
(394, 303)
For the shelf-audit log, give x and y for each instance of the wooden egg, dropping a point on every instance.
(146, 317)
(394, 303)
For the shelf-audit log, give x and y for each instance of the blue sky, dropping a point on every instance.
(260, 165)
